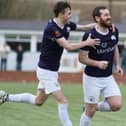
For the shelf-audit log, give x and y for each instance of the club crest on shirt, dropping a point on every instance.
(113, 37)
(104, 45)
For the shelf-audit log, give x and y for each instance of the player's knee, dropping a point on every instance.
(63, 101)
(38, 102)
(116, 107)
(91, 111)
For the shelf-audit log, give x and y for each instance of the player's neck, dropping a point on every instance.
(101, 29)
(59, 22)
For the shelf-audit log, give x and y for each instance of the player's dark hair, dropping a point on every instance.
(96, 11)
(60, 7)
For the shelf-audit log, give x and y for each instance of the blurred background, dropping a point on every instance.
(22, 23)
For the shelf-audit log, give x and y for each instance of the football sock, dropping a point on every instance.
(63, 114)
(85, 120)
(103, 106)
(24, 97)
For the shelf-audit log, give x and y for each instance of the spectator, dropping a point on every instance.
(19, 57)
(5, 49)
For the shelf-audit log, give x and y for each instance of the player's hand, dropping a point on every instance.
(102, 64)
(92, 42)
(119, 70)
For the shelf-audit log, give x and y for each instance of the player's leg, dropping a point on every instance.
(113, 99)
(53, 87)
(26, 97)
(115, 102)
(49, 82)
(104, 106)
(87, 115)
(23, 97)
(2, 64)
(62, 108)
(91, 96)
(5, 64)
(41, 97)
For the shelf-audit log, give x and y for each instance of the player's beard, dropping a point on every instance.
(105, 24)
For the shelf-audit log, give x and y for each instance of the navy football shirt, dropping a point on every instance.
(51, 51)
(104, 51)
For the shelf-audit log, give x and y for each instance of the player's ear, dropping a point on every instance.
(97, 19)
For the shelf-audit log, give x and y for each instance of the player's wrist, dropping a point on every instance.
(96, 63)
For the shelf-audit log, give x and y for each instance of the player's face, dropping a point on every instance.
(66, 16)
(105, 18)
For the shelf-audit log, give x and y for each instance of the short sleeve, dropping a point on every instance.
(84, 38)
(57, 33)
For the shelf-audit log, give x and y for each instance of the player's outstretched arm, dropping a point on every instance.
(91, 25)
(73, 46)
(85, 27)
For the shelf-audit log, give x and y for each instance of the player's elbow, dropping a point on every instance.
(69, 48)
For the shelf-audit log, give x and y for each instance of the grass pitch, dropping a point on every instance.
(22, 114)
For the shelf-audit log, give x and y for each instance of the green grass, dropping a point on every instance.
(29, 115)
